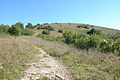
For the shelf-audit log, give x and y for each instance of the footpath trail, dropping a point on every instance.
(46, 68)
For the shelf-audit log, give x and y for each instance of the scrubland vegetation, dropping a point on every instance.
(14, 55)
(88, 51)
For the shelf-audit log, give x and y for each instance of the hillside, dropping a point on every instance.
(73, 26)
(80, 51)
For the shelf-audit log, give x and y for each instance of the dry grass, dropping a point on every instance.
(91, 65)
(14, 54)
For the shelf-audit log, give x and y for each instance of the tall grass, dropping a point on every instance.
(14, 54)
(89, 66)
(3, 35)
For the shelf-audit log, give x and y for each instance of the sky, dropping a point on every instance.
(96, 12)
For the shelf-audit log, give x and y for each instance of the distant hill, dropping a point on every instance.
(73, 26)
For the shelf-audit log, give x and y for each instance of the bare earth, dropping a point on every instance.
(46, 66)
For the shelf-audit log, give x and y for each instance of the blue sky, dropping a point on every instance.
(98, 12)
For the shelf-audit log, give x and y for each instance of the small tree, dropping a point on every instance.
(29, 25)
(15, 30)
(19, 24)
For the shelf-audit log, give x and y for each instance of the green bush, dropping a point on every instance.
(15, 30)
(83, 26)
(46, 27)
(60, 31)
(49, 28)
(41, 27)
(69, 36)
(81, 41)
(116, 47)
(79, 26)
(94, 41)
(28, 32)
(94, 31)
(19, 24)
(29, 25)
(55, 54)
(46, 32)
(110, 46)
(4, 28)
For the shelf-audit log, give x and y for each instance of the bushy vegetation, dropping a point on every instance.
(94, 31)
(50, 28)
(84, 65)
(83, 26)
(60, 31)
(16, 29)
(29, 25)
(87, 65)
(46, 32)
(4, 28)
(14, 55)
(92, 41)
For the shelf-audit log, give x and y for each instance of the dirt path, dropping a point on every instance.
(46, 68)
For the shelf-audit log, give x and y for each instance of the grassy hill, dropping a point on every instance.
(85, 64)
(73, 27)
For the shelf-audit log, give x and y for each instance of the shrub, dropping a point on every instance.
(20, 25)
(82, 42)
(55, 54)
(83, 26)
(28, 32)
(68, 35)
(4, 28)
(94, 31)
(49, 28)
(29, 25)
(116, 46)
(106, 46)
(79, 26)
(94, 41)
(46, 32)
(46, 27)
(60, 31)
(41, 27)
(15, 30)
